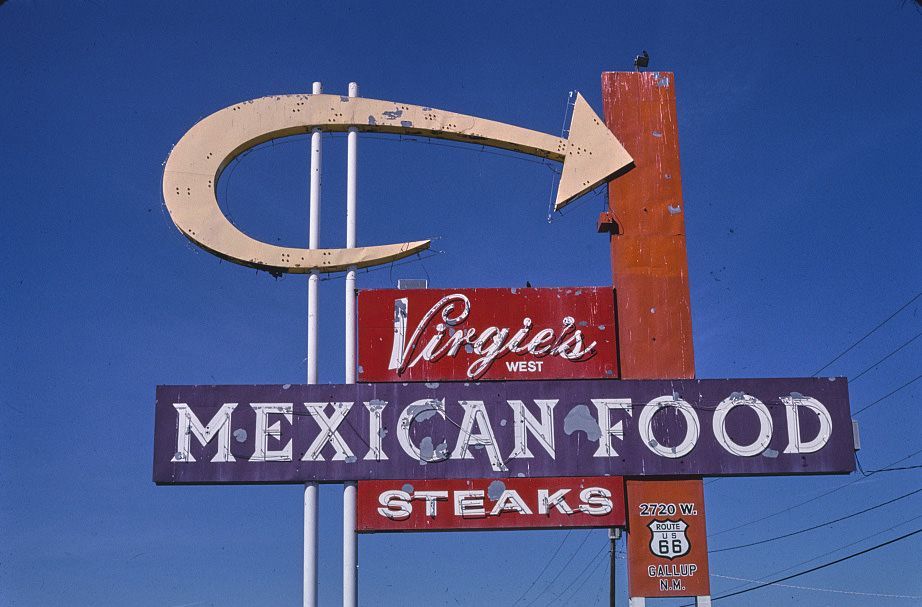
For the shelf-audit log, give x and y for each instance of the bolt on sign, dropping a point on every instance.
(667, 540)
(486, 334)
(575, 428)
(512, 503)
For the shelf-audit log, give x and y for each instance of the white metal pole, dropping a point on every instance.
(350, 488)
(311, 502)
(311, 489)
(312, 322)
(351, 162)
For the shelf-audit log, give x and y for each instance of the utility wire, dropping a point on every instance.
(576, 578)
(548, 564)
(841, 548)
(918, 335)
(911, 381)
(854, 514)
(817, 568)
(567, 564)
(889, 596)
(812, 499)
(892, 469)
(848, 349)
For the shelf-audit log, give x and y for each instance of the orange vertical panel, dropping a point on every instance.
(649, 262)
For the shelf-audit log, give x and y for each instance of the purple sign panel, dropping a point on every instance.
(297, 433)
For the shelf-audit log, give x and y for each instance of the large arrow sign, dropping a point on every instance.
(591, 156)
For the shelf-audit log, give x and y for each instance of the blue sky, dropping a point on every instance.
(800, 138)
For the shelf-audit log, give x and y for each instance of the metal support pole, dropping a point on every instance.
(351, 162)
(311, 500)
(611, 577)
(350, 546)
(312, 321)
(350, 488)
(311, 490)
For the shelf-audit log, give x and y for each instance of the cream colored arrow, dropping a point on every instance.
(591, 156)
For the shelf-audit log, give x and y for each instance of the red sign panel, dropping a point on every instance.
(667, 550)
(492, 334)
(510, 503)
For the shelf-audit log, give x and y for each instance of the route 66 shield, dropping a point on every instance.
(668, 538)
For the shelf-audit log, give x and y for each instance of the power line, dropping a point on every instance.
(812, 499)
(854, 514)
(548, 564)
(917, 378)
(918, 335)
(576, 578)
(848, 349)
(889, 596)
(817, 568)
(567, 564)
(841, 548)
(823, 566)
(892, 469)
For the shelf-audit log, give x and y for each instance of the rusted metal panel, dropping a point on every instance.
(512, 503)
(649, 263)
(486, 334)
(667, 550)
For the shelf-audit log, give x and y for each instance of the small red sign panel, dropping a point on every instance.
(511, 503)
(667, 552)
(492, 334)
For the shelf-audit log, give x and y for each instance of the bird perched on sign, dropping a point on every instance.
(641, 61)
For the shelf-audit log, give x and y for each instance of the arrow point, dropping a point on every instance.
(594, 155)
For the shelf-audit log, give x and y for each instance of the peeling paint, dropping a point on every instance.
(579, 419)
(408, 488)
(350, 459)
(393, 115)
(240, 435)
(770, 453)
(495, 490)
(372, 121)
(674, 210)
(432, 385)
(662, 80)
(657, 134)
(406, 124)
(421, 413)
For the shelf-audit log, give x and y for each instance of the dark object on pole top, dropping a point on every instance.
(641, 61)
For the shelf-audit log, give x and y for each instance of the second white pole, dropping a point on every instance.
(311, 489)
(350, 488)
